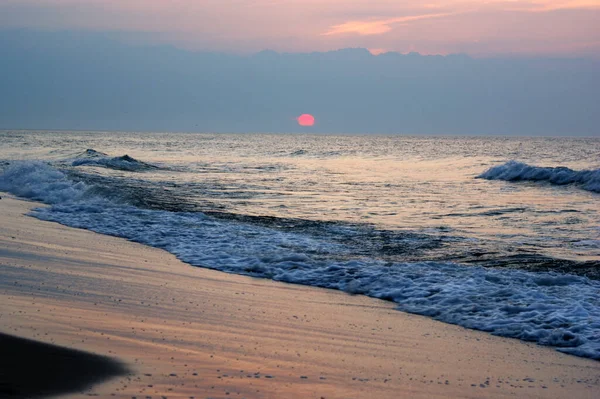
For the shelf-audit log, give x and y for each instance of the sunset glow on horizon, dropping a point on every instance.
(491, 28)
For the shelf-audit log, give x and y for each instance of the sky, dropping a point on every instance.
(517, 67)
(74, 80)
(551, 28)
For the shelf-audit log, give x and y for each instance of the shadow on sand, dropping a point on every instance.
(30, 369)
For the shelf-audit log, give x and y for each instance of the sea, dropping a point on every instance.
(499, 234)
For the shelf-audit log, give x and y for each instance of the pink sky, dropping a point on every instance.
(479, 28)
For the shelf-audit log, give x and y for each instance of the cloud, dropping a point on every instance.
(377, 27)
(566, 4)
(542, 6)
(377, 51)
(242, 26)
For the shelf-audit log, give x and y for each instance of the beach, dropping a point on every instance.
(184, 331)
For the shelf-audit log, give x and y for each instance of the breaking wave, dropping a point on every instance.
(559, 310)
(517, 171)
(125, 162)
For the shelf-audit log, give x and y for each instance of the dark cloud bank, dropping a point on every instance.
(74, 80)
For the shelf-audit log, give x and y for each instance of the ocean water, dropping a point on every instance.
(495, 234)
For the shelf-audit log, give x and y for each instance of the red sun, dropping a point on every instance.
(306, 120)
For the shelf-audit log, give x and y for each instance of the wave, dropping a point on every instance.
(298, 153)
(91, 153)
(125, 162)
(517, 171)
(558, 310)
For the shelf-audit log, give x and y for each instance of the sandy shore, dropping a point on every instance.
(189, 332)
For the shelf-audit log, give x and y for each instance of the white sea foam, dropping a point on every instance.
(551, 309)
(517, 171)
(39, 181)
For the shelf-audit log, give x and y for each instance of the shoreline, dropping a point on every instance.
(186, 331)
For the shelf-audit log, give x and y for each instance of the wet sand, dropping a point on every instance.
(190, 332)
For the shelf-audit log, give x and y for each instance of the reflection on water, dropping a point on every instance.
(399, 218)
(387, 185)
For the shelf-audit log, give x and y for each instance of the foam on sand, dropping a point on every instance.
(553, 309)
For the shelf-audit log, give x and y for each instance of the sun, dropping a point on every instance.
(306, 120)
